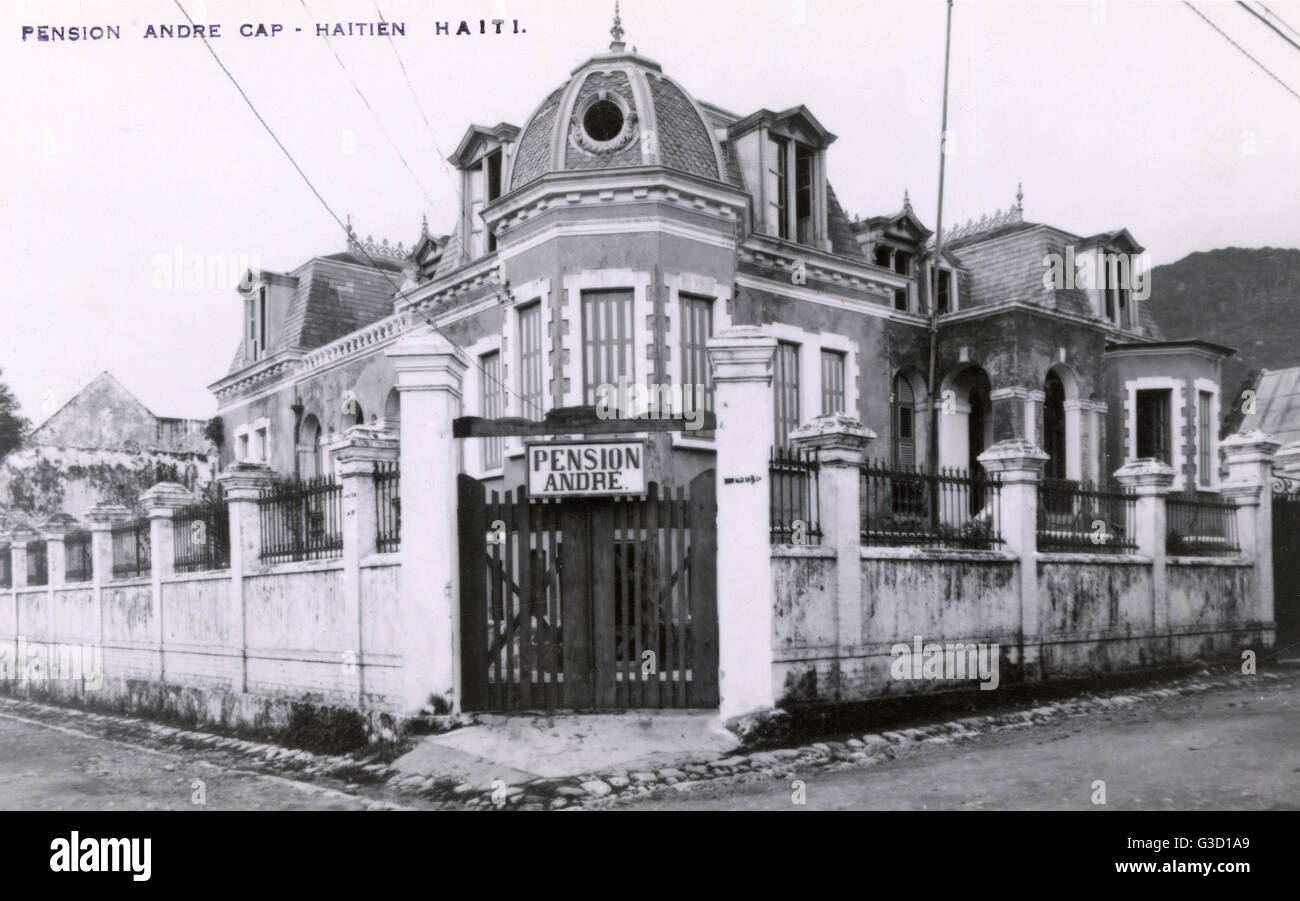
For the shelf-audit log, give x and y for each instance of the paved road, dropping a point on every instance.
(43, 768)
(1227, 749)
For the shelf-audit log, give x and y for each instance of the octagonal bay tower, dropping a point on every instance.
(619, 229)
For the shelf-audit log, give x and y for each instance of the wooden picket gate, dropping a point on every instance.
(1286, 567)
(588, 603)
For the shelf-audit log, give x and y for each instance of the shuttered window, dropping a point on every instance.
(697, 329)
(904, 416)
(1204, 439)
(531, 357)
(606, 340)
(785, 384)
(778, 185)
(832, 382)
(493, 405)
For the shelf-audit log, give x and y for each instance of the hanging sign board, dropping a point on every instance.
(585, 468)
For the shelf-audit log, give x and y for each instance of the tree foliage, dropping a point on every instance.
(13, 425)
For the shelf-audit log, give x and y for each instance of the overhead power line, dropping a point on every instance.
(1247, 53)
(1284, 22)
(1279, 31)
(324, 203)
(365, 100)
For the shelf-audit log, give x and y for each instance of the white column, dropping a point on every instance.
(356, 457)
(839, 442)
(243, 484)
(741, 359)
(1152, 480)
(161, 503)
(1019, 466)
(1250, 470)
(430, 371)
(102, 517)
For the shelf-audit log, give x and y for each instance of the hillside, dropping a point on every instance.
(1244, 298)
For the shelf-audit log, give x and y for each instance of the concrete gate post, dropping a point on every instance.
(1250, 474)
(1152, 480)
(1018, 465)
(356, 457)
(430, 370)
(741, 359)
(161, 502)
(102, 517)
(838, 441)
(243, 484)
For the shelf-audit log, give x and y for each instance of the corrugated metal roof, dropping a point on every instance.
(1277, 405)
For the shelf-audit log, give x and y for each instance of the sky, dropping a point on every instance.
(123, 158)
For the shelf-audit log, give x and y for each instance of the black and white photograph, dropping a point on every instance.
(617, 406)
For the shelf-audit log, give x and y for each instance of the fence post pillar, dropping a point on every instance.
(160, 503)
(1151, 480)
(243, 484)
(1250, 474)
(356, 457)
(741, 359)
(54, 530)
(19, 538)
(838, 441)
(430, 370)
(102, 517)
(1018, 466)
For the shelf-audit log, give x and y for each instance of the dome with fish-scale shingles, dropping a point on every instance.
(617, 110)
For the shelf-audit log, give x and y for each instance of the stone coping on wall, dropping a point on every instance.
(877, 552)
(133, 582)
(1209, 561)
(371, 561)
(1090, 559)
(205, 575)
(803, 550)
(295, 567)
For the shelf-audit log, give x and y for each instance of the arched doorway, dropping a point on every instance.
(1054, 427)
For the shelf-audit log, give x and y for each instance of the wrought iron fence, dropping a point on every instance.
(302, 520)
(795, 505)
(1200, 526)
(38, 569)
(6, 567)
(1078, 517)
(132, 551)
(905, 506)
(77, 565)
(388, 507)
(201, 537)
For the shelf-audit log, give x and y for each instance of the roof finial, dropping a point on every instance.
(907, 200)
(617, 30)
(424, 225)
(1020, 196)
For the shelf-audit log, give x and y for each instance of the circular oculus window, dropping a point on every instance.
(603, 121)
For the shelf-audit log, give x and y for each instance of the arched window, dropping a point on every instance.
(1054, 426)
(393, 409)
(904, 422)
(310, 437)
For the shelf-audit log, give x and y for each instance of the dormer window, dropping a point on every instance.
(255, 308)
(793, 203)
(944, 299)
(484, 187)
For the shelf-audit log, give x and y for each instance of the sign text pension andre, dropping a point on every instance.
(580, 469)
